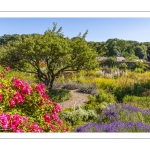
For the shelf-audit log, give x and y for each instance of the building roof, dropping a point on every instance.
(120, 58)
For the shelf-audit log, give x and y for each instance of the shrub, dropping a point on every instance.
(117, 126)
(57, 85)
(102, 96)
(141, 65)
(100, 107)
(123, 66)
(110, 62)
(99, 101)
(86, 115)
(89, 88)
(139, 101)
(25, 108)
(139, 70)
(119, 118)
(78, 116)
(59, 95)
(70, 117)
(106, 84)
(70, 85)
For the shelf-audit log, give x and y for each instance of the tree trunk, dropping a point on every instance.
(47, 81)
(51, 82)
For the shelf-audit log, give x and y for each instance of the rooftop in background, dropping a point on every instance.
(119, 59)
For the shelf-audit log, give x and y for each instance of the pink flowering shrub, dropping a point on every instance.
(27, 108)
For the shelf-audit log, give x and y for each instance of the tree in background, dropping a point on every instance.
(110, 62)
(140, 51)
(49, 54)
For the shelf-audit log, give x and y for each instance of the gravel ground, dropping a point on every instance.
(78, 99)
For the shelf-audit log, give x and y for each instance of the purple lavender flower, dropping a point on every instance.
(117, 126)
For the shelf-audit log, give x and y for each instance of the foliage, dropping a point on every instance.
(117, 47)
(106, 84)
(88, 88)
(49, 54)
(78, 116)
(110, 62)
(57, 84)
(70, 85)
(140, 65)
(139, 70)
(140, 51)
(123, 66)
(25, 108)
(140, 101)
(102, 96)
(59, 95)
(119, 118)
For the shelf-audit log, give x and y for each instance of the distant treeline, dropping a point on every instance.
(111, 48)
(118, 47)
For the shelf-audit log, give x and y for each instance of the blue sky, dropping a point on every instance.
(100, 29)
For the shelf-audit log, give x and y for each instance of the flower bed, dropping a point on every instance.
(27, 108)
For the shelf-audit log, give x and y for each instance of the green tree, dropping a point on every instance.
(140, 51)
(55, 52)
(110, 62)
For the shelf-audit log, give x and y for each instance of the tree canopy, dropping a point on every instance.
(49, 54)
(118, 47)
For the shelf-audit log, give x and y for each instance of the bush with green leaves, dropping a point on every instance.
(123, 66)
(59, 95)
(27, 108)
(78, 116)
(102, 96)
(135, 89)
(140, 67)
(99, 101)
(139, 70)
(140, 101)
(110, 62)
(100, 107)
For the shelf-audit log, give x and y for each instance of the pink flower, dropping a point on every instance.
(40, 88)
(60, 122)
(26, 89)
(1, 97)
(23, 86)
(3, 75)
(16, 121)
(67, 129)
(18, 83)
(18, 98)
(52, 126)
(4, 121)
(7, 68)
(19, 131)
(54, 117)
(36, 128)
(57, 108)
(1, 85)
(12, 102)
(47, 118)
(45, 96)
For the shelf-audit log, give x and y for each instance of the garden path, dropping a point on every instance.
(77, 99)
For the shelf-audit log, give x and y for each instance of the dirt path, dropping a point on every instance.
(78, 99)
